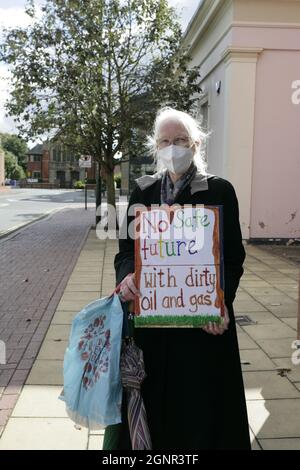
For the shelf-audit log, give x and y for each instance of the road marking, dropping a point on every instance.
(13, 200)
(3, 205)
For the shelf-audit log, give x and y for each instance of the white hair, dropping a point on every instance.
(193, 128)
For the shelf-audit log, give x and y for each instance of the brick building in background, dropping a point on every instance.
(56, 165)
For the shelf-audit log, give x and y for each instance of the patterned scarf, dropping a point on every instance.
(169, 190)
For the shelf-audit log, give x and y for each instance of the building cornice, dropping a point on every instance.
(235, 53)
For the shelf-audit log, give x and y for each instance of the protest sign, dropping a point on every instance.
(179, 266)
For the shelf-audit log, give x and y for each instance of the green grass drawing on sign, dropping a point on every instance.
(173, 320)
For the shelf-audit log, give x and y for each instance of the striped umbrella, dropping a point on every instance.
(132, 376)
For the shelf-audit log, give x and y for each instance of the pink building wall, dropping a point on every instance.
(275, 194)
(275, 198)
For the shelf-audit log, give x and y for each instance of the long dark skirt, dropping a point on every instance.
(193, 393)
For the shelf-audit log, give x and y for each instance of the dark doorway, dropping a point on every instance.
(74, 177)
(61, 176)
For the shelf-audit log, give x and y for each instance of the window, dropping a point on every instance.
(56, 153)
(69, 156)
(59, 153)
(204, 116)
(36, 158)
(36, 174)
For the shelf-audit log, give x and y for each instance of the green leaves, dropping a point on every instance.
(14, 145)
(14, 164)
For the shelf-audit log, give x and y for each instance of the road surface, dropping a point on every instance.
(20, 206)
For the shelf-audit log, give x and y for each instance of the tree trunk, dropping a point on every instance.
(110, 186)
(111, 201)
(98, 192)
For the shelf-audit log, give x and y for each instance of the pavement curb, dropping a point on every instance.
(26, 224)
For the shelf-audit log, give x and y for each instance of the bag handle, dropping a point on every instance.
(127, 331)
(115, 291)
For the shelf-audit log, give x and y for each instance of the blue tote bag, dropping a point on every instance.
(92, 388)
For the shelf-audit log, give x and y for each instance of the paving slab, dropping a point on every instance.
(58, 332)
(257, 283)
(80, 295)
(279, 347)
(95, 442)
(290, 321)
(263, 318)
(279, 418)
(52, 350)
(245, 342)
(266, 385)
(40, 401)
(288, 309)
(46, 372)
(280, 444)
(64, 317)
(269, 331)
(88, 287)
(257, 360)
(254, 442)
(244, 306)
(73, 305)
(293, 369)
(43, 434)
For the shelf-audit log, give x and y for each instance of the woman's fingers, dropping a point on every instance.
(214, 329)
(210, 328)
(128, 288)
(126, 293)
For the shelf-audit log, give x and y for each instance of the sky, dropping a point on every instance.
(12, 14)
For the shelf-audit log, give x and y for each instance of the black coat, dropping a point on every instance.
(194, 392)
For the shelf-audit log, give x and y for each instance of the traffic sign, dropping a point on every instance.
(85, 161)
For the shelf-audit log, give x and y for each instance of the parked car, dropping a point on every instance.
(7, 181)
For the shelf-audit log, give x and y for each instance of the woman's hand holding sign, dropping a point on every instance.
(215, 329)
(128, 289)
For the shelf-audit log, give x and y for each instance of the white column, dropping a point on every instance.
(240, 77)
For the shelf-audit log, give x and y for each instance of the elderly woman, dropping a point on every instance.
(193, 393)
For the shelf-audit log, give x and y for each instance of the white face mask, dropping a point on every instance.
(176, 158)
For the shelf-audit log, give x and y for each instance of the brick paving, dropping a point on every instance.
(36, 263)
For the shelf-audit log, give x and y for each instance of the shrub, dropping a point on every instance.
(79, 184)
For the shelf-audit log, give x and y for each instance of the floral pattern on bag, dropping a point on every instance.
(94, 342)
